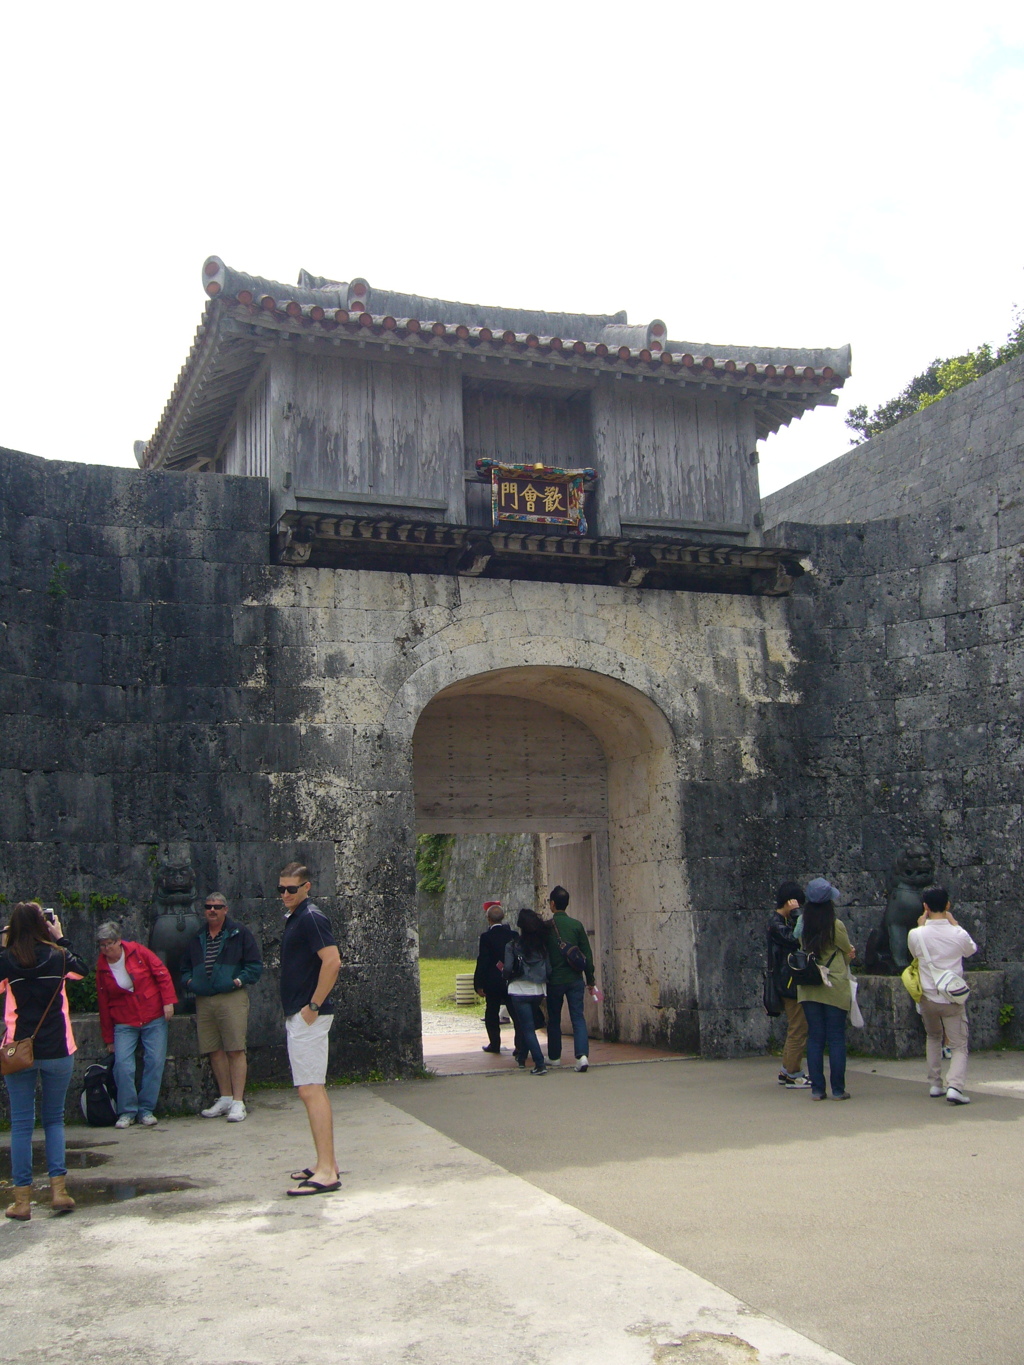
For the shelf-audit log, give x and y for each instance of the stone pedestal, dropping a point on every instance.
(893, 1027)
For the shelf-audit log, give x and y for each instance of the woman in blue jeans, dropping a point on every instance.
(35, 962)
(826, 1007)
(527, 991)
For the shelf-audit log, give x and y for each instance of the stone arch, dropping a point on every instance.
(648, 942)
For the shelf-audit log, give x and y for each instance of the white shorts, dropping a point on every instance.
(307, 1048)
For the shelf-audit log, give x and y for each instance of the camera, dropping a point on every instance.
(49, 915)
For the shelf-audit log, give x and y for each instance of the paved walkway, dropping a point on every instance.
(691, 1213)
(432, 1255)
(461, 1054)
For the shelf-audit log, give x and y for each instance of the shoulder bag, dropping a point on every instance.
(911, 978)
(575, 958)
(20, 1055)
(951, 986)
(804, 969)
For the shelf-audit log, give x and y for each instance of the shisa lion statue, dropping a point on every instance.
(174, 920)
(914, 871)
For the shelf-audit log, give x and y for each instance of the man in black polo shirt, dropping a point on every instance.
(310, 963)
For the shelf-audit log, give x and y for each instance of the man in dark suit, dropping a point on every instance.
(488, 980)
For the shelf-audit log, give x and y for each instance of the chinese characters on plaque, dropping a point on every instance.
(537, 493)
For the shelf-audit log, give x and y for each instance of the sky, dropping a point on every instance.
(761, 174)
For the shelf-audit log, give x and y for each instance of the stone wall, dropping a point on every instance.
(912, 664)
(477, 867)
(153, 708)
(168, 693)
(967, 448)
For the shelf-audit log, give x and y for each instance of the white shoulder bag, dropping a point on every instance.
(953, 989)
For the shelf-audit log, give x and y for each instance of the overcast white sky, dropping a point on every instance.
(768, 174)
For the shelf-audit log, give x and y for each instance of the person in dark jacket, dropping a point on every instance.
(35, 963)
(218, 965)
(489, 978)
(136, 999)
(781, 942)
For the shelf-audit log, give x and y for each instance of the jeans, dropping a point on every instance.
(573, 995)
(154, 1052)
(521, 1008)
(492, 1008)
(55, 1075)
(826, 1026)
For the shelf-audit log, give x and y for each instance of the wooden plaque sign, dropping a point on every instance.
(537, 493)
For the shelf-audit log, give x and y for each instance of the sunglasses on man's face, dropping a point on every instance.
(290, 890)
(214, 905)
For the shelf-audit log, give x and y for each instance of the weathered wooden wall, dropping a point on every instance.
(498, 763)
(389, 431)
(665, 458)
(247, 449)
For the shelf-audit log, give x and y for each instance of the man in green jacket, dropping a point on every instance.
(566, 981)
(219, 965)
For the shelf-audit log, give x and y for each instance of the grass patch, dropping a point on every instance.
(437, 984)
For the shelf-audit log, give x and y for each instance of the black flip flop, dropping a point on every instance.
(305, 1174)
(314, 1187)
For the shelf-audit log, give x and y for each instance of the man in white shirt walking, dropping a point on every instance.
(940, 945)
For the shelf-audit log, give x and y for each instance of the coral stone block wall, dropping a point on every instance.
(167, 693)
(909, 629)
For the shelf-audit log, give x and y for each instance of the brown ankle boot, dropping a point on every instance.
(22, 1206)
(60, 1200)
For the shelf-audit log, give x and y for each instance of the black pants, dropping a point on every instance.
(494, 1001)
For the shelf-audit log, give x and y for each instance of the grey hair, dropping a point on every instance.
(109, 929)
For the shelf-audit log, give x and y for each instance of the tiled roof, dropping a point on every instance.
(245, 308)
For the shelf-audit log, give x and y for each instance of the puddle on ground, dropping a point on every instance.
(75, 1158)
(89, 1192)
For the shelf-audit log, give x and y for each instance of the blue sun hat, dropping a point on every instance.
(819, 891)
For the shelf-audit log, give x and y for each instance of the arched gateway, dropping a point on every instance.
(569, 751)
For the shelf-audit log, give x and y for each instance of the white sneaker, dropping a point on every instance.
(582, 1063)
(221, 1107)
(124, 1120)
(237, 1112)
(956, 1096)
(936, 1092)
(147, 1120)
(554, 1061)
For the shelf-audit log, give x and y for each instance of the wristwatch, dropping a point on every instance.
(314, 1008)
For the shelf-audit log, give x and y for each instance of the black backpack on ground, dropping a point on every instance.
(99, 1095)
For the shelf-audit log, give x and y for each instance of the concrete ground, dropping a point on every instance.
(687, 1213)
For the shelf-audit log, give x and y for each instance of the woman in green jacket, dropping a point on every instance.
(826, 1007)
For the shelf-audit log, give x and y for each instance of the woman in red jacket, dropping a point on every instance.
(136, 999)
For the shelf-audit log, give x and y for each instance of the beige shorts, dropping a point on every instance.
(222, 1020)
(307, 1048)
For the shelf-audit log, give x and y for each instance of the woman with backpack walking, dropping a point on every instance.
(526, 969)
(826, 1007)
(35, 962)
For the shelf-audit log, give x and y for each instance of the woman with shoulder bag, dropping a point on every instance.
(35, 962)
(527, 951)
(827, 1006)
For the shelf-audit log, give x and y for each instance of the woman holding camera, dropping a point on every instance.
(35, 962)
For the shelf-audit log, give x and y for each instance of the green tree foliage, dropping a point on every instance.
(942, 377)
(431, 861)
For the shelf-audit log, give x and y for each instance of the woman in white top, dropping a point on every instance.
(528, 950)
(940, 943)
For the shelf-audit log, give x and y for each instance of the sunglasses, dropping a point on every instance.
(215, 905)
(290, 890)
